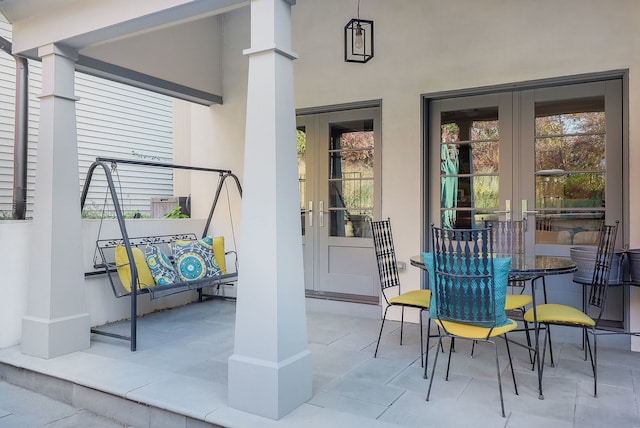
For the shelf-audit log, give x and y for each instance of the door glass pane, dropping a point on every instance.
(351, 189)
(301, 143)
(469, 166)
(570, 170)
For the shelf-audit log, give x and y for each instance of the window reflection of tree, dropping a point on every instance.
(351, 154)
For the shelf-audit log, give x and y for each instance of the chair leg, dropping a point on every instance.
(499, 382)
(540, 360)
(426, 349)
(548, 333)
(421, 341)
(433, 370)
(595, 365)
(401, 325)
(594, 359)
(449, 360)
(528, 336)
(439, 346)
(513, 374)
(384, 317)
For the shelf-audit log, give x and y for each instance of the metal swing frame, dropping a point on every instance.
(105, 163)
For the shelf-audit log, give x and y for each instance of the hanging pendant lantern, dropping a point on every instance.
(358, 39)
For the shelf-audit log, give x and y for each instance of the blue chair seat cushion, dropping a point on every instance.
(501, 266)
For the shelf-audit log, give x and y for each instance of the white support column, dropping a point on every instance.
(57, 321)
(270, 371)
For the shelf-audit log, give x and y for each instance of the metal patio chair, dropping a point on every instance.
(390, 281)
(590, 318)
(469, 289)
(508, 241)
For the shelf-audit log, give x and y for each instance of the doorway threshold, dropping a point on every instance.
(358, 308)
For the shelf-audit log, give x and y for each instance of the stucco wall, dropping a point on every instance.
(424, 47)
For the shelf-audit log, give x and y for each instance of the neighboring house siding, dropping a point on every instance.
(119, 121)
(113, 120)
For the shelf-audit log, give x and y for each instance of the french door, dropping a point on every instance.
(551, 156)
(339, 195)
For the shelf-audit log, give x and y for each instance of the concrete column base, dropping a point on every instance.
(267, 388)
(50, 338)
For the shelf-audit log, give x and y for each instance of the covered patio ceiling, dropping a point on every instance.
(170, 46)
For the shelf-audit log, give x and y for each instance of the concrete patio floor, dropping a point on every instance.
(178, 378)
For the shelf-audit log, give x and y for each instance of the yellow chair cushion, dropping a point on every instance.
(560, 314)
(145, 278)
(517, 301)
(417, 298)
(469, 331)
(218, 253)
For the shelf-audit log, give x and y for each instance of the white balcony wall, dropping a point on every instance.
(103, 307)
(15, 264)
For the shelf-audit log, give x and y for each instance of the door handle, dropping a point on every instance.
(321, 213)
(526, 212)
(309, 213)
(506, 211)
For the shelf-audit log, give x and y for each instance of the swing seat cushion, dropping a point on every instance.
(145, 278)
(160, 265)
(195, 260)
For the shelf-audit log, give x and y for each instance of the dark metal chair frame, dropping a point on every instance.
(508, 240)
(597, 300)
(389, 278)
(464, 290)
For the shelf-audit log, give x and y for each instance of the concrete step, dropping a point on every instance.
(31, 399)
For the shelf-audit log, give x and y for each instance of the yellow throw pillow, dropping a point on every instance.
(145, 279)
(218, 253)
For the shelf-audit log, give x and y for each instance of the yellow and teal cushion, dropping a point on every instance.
(501, 266)
(219, 254)
(160, 265)
(145, 277)
(559, 314)
(195, 259)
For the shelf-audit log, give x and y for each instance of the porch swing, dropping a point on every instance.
(131, 248)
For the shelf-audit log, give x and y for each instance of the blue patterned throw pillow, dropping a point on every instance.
(501, 266)
(195, 259)
(160, 265)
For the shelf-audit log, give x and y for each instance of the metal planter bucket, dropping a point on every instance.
(585, 258)
(634, 265)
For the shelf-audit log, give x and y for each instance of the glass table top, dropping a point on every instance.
(527, 265)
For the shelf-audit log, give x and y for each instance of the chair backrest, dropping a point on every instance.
(508, 236)
(385, 255)
(464, 281)
(602, 267)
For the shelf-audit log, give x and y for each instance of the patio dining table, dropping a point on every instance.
(534, 268)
